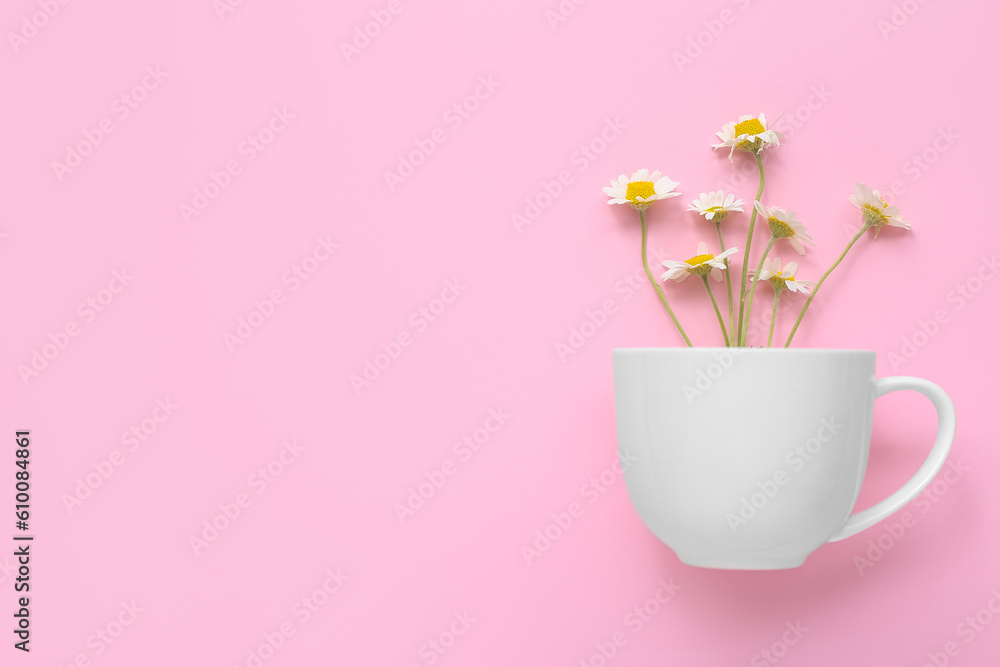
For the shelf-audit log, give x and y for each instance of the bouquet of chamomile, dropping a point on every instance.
(748, 135)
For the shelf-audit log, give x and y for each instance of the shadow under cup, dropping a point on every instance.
(744, 458)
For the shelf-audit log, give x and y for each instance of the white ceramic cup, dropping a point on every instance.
(749, 458)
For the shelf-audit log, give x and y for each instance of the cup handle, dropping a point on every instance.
(939, 452)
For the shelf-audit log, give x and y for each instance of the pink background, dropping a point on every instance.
(860, 102)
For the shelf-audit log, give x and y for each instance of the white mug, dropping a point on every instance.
(750, 458)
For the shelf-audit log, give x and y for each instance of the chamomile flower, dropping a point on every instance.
(783, 225)
(783, 278)
(641, 190)
(876, 211)
(715, 206)
(704, 263)
(748, 134)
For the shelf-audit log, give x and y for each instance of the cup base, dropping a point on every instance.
(740, 563)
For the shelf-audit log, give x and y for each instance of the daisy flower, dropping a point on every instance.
(876, 211)
(701, 264)
(783, 278)
(715, 206)
(641, 190)
(784, 226)
(748, 134)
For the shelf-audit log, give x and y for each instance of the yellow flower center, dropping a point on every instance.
(718, 213)
(639, 191)
(780, 229)
(752, 126)
(699, 259)
(874, 216)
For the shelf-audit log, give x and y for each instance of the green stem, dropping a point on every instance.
(753, 288)
(718, 314)
(656, 286)
(774, 316)
(820, 283)
(740, 334)
(729, 282)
